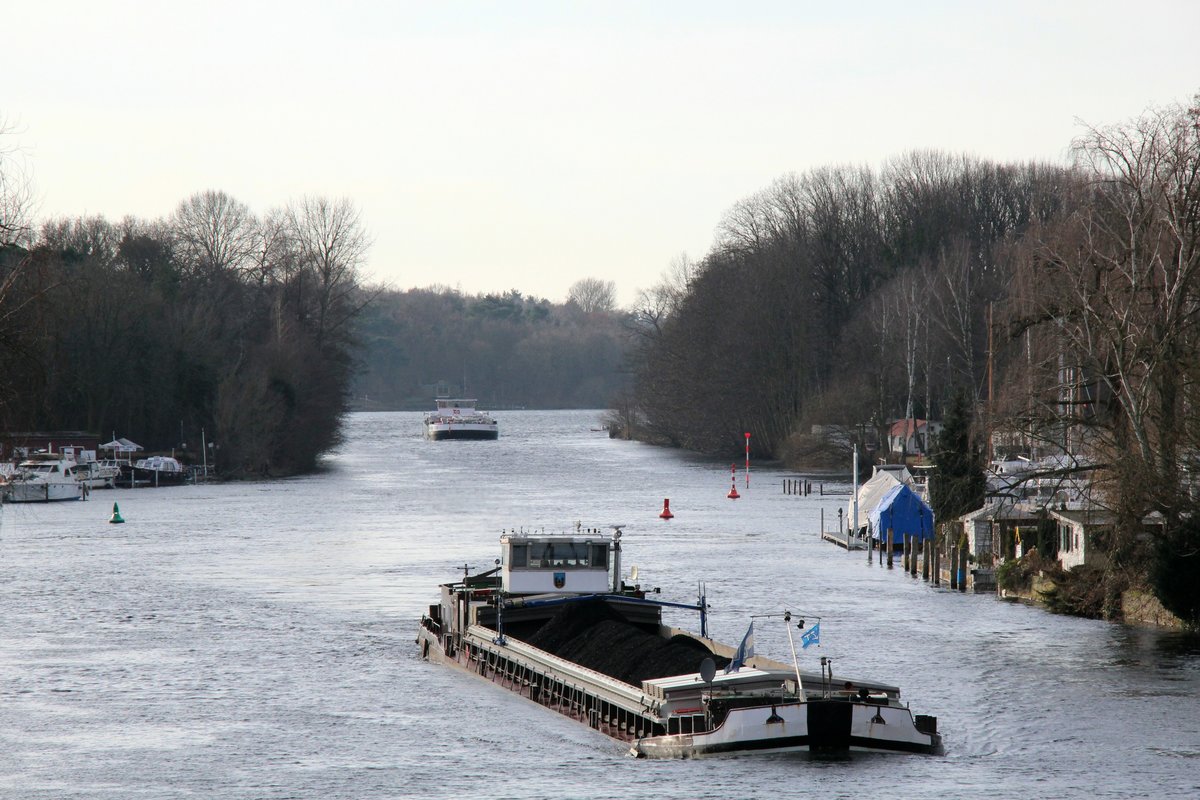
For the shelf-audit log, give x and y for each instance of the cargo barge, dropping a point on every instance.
(556, 623)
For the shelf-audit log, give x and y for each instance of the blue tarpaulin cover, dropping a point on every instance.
(905, 513)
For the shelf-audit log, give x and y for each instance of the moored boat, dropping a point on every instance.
(158, 471)
(456, 418)
(43, 478)
(91, 473)
(556, 623)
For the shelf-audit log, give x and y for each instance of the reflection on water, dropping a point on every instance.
(256, 640)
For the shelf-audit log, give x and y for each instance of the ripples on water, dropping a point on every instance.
(256, 640)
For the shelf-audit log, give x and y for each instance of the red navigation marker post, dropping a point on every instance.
(747, 460)
(733, 492)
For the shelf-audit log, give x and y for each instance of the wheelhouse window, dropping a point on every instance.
(556, 555)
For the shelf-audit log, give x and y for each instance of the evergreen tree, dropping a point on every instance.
(958, 484)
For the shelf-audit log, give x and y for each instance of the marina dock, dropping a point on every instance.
(844, 540)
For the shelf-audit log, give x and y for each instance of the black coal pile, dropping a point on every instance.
(594, 635)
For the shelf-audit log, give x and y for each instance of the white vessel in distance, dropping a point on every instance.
(457, 418)
(556, 623)
(43, 477)
(89, 471)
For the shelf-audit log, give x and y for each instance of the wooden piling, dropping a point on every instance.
(925, 548)
(915, 547)
(952, 562)
(889, 549)
(962, 568)
(905, 546)
(937, 563)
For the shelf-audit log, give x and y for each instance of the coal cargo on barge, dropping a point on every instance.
(555, 623)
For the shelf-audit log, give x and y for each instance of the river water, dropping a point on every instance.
(256, 640)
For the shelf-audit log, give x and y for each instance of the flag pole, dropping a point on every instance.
(787, 623)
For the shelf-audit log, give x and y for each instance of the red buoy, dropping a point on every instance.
(666, 512)
(733, 493)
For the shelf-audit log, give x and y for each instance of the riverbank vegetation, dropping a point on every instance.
(505, 350)
(213, 325)
(1064, 301)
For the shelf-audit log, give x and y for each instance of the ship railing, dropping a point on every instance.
(602, 686)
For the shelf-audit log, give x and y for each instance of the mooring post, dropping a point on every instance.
(937, 563)
(904, 547)
(925, 560)
(962, 568)
(889, 549)
(952, 561)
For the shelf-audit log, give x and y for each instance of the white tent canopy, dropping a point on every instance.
(122, 445)
(869, 495)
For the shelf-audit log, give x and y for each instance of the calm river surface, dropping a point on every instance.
(256, 640)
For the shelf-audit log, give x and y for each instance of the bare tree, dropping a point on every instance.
(1115, 290)
(593, 295)
(331, 245)
(274, 257)
(214, 233)
(16, 192)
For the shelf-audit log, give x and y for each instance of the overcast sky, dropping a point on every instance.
(521, 145)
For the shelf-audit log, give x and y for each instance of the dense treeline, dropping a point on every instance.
(840, 296)
(1056, 307)
(506, 350)
(1103, 313)
(212, 320)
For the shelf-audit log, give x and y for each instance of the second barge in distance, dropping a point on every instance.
(459, 419)
(556, 623)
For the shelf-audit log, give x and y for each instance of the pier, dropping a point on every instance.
(844, 540)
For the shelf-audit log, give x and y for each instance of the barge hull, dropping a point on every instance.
(616, 709)
(464, 433)
(625, 713)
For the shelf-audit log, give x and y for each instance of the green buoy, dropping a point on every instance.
(116, 517)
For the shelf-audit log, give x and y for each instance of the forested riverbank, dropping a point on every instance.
(215, 323)
(1058, 306)
(505, 350)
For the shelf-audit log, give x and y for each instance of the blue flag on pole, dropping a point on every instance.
(745, 650)
(811, 636)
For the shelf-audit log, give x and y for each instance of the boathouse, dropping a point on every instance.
(1002, 527)
(1081, 536)
(17, 445)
